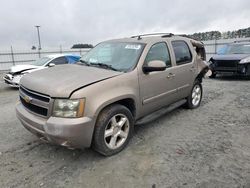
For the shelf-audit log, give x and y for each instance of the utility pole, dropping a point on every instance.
(39, 40)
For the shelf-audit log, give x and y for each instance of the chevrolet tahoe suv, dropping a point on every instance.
(97, 101)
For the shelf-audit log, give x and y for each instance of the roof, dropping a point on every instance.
(60, 55)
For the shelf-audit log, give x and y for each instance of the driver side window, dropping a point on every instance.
(159, 51)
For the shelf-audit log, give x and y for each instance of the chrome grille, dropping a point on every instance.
(35, 102)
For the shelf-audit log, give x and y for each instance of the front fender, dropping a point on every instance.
(114, 100)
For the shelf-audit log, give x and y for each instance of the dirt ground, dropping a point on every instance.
(206, 147)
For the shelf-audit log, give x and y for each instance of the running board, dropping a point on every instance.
(155, 115)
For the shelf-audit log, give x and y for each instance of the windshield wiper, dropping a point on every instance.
(103, 65)
(84, 62)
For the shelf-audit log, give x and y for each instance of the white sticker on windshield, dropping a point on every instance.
(92, 60)
(133, 46)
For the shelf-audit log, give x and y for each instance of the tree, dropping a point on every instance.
(82, 46)
(216, 35)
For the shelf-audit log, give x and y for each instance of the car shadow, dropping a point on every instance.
(232, 78)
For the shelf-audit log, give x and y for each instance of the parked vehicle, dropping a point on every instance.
(97, 101)
(233, 58)
(13, 77)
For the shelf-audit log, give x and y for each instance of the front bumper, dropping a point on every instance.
(69, 132)
(241, 69)
(11, 80)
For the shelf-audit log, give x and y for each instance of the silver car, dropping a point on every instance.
(119, 82)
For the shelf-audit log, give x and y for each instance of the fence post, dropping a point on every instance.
(12, 55)
(80, 52)
(39, 53)
(215, 46)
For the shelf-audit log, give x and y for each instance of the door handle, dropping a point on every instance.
(170, 75)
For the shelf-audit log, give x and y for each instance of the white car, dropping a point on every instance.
(13, 77)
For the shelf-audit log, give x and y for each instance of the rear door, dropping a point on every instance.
(185, 67)
(157, 89)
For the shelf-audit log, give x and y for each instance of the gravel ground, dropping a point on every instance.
(206, 147)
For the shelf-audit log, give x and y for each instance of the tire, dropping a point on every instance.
(197, 93)
(117, 122)
(213, 75)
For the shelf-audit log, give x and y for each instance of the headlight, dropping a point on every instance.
(69, 108)
(245, 60)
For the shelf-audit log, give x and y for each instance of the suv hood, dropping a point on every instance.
(230, 57)
(21, 68)
(61, 81)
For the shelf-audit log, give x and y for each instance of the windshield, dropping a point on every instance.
(120, 56)
(235, 49)
(41, 61)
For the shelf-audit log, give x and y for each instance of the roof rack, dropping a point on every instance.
(163, 35)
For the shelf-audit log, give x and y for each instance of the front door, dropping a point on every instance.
(158, 89)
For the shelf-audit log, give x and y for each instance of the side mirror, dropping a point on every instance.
(51, 64)
(155, 65)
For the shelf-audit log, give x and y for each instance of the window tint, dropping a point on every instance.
(160, 52)
(59, 61)
(182, 52)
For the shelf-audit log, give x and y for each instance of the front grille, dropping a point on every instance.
(34, 102)
(34, 108)
(226, 63)
(35, 95)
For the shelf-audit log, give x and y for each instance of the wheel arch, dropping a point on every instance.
(201, 74)
(128, 102)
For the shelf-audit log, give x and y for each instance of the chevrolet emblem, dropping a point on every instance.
(27, 99)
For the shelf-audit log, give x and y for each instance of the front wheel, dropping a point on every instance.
(114, 128)
(194, 99)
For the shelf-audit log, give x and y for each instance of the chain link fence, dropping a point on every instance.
(212, 46)
(16, 57)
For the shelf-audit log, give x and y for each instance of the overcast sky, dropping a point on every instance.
(66, 22)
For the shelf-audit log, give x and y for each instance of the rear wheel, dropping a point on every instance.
(113, 130)
(194, 99)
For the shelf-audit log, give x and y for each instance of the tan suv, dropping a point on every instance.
(97, 101)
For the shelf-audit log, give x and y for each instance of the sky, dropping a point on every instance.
(68, 22)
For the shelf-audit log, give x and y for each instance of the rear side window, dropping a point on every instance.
(59, 61)
(160, 52)
(182, 52)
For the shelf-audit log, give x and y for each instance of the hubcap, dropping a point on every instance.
(116, 131)
(196, 95)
